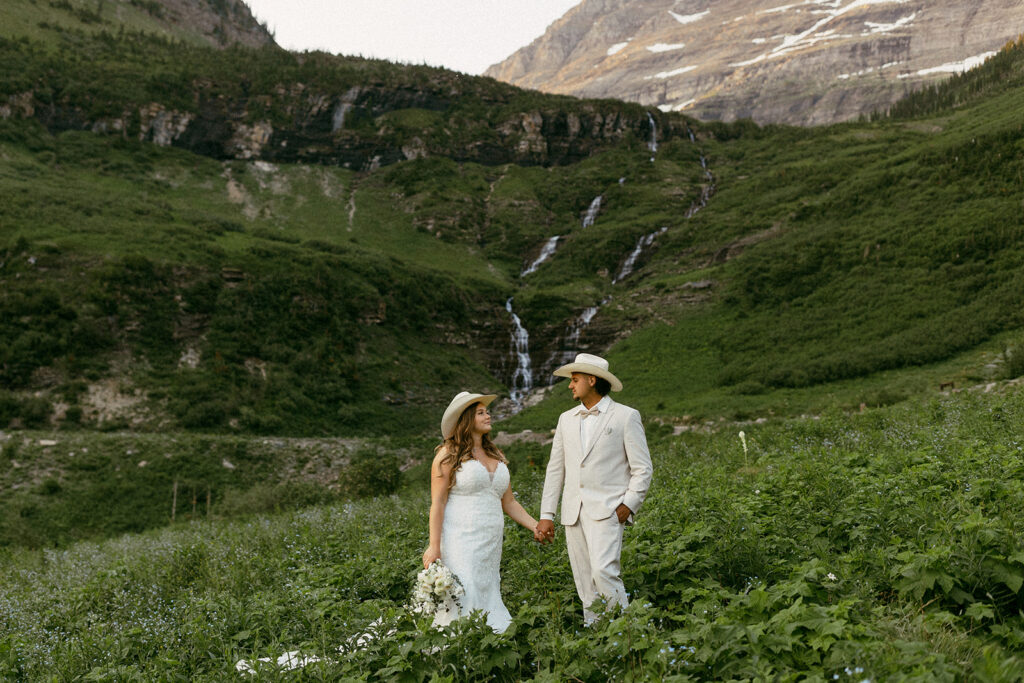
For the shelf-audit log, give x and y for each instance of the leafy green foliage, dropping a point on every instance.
(82, 485)
(884, 546)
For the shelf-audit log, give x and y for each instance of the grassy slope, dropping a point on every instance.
(868, 262)
(864, 263)
(36, 19)
(882, 546)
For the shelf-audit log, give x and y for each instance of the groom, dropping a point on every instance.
(601, 467)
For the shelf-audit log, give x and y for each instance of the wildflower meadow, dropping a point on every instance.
(876, 546)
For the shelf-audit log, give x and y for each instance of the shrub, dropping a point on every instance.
(263, 498)
(370, 473)
(1014, 363)
(35, 412)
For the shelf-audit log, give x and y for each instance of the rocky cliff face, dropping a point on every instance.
(806, 62)
(354, 127)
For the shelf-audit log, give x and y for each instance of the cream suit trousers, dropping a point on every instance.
(595, 546)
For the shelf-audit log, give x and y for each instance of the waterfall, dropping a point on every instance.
(522, 378)
(707, 189)
(572, 338)
(545, 254)
(653, 144)
(630, 262)
(582, 321)
(591, 215)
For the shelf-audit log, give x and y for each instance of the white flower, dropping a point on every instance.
(830, 576)
(743, 440)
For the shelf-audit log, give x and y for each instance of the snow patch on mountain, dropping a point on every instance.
(665, 47)
(954, 67)
(888, 28)
(689, 18)
(670, 74)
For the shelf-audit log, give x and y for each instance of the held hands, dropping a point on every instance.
(544, 532)
(430, 555)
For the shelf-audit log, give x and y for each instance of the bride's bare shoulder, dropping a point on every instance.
(440, 456)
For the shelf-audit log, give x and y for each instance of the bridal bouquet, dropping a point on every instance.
(437, 589)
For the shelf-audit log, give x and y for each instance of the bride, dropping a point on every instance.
(469, 489)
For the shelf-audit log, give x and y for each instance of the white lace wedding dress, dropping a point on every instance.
(471, 539)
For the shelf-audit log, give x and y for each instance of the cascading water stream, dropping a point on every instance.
(545, 253)
(572, 338)
(582, 321)
(707, 189)
(591, 214)
(522, 377)
(653, 144)
(630, 262)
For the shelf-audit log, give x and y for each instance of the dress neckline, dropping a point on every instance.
(490, 472)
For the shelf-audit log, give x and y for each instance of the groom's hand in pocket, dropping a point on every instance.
(623, 512)
(544, 531)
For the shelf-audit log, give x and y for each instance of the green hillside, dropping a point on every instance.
(167, 267)
(859, 263)
(196, 22)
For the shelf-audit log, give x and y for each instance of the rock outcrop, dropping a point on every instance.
(351, 128)
(806, 62)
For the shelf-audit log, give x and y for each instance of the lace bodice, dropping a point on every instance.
(473, 478)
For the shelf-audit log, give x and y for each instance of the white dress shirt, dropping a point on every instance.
(587, 422)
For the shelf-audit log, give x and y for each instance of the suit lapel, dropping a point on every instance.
(602, 422)
(575, 446)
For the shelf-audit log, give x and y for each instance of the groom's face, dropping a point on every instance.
(582, 385)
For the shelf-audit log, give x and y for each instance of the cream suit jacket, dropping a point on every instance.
(615, 469)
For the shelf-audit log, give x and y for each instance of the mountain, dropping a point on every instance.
(216, 23)
(805, 63)
(329, 245)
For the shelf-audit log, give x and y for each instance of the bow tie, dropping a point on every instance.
(584, 413)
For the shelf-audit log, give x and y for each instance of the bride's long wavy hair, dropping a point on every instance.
(459, 446)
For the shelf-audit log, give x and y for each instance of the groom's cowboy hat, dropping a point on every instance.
(590, 365)
(462, 400)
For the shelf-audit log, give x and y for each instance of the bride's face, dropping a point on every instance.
(481, 419)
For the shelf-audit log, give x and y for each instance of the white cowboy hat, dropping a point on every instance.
(462, 400)
(591, 365)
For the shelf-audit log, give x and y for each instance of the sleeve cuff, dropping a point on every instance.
(548, 516)
(633, 502)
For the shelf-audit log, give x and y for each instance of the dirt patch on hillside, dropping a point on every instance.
(110, 401)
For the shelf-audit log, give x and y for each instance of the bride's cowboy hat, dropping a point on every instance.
(591, 365)
(462, 400)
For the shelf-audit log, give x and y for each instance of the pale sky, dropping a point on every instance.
(464, 35)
